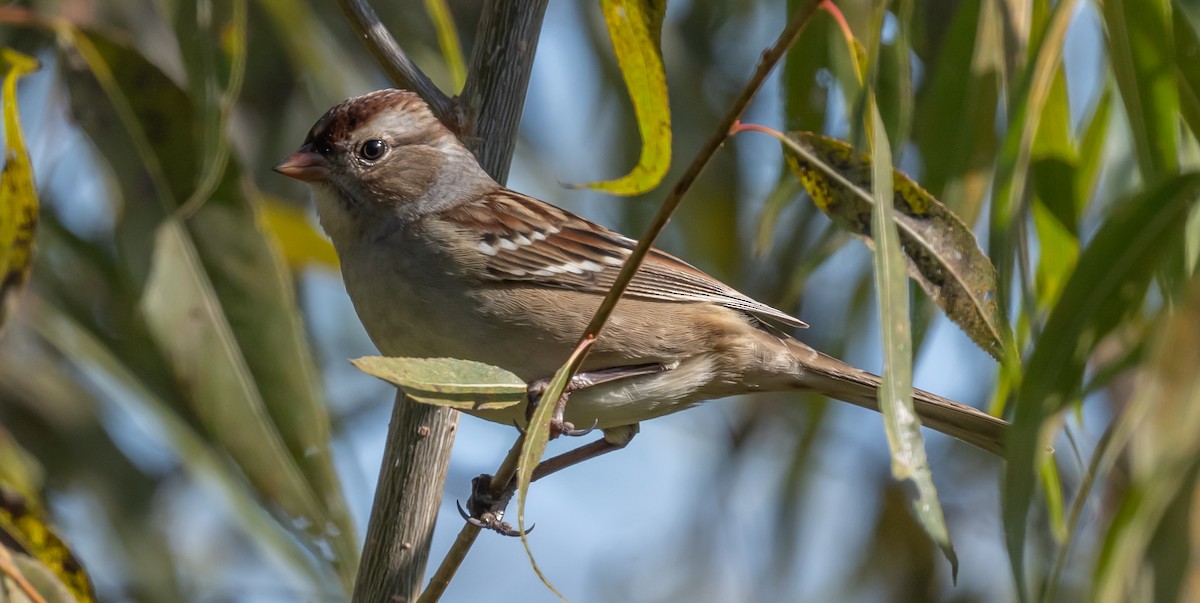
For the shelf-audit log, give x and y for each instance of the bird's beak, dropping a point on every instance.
(305, 164)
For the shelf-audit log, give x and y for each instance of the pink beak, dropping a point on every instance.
(305, 164)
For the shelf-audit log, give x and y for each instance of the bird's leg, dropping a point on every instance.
(558, 425)
(487, 511)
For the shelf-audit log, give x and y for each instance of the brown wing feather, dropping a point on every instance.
(525, 240)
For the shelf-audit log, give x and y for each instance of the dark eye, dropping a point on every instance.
(373, 149)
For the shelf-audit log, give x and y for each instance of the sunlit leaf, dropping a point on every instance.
(907, 446)
(447, 34)
(943, 256)
(18, 196)
(1110, 281)
(25, 530)
(460, 384)
(298, 241)
(634, 27)
(1058, 202)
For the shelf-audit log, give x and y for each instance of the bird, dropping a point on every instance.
(441, 261)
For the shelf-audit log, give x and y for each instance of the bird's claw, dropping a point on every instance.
(487, 511)
(567, 429)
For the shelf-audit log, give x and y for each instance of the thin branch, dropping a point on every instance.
(408, 495)
(395, 62)
(469, 532)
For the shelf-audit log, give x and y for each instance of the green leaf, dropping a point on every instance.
(1109, 282)
(18, 196)
(895, 392)
(962, 88)
(443, 23)
(459, 384)
(1142, 52)
(943, 256)
(634, 27)
(149, 133)
(25, 531)
(1187, 68)
(188, 323)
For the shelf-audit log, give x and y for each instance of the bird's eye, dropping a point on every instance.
(373, 149)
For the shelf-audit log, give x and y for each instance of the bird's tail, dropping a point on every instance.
(837, 379)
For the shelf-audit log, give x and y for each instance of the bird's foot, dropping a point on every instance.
(487, 511)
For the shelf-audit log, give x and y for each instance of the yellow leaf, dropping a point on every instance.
(18, 197)
(300, 242)
(447, 36)
(634, 27)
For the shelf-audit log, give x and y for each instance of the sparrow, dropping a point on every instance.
(440, 260)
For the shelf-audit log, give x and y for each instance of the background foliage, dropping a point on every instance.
(174, 378)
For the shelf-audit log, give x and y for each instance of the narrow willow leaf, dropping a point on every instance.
(903, 428)
(147, 124)
(300, 243)
(1058, 202)
(1187, 68)
(18, 195)
(133, 397)
(537, 435)
(1142, 51)
(962, 87)
(447, 35)
(187, 321)
(460, 384)
(1110, 281)
(943, 255)
(634, 27)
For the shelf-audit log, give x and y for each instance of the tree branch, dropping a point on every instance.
(395, 63)
(407, 498)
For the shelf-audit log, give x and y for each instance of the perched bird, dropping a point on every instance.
(442, 261)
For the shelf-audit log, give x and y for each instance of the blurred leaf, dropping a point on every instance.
(1142, 53)
(447, 36)
(24, 529)
(150, 138)
(18, 196)
(1109, 282)
(943, 256)
(460, 384)
(1057, 203)
(205, 28)
(189, 324)
(129, 393)
(634, 27)
(24, 579)
(294, 234)
(963, 88)
(1187, 68)
(1163, 465)
(895, 391)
